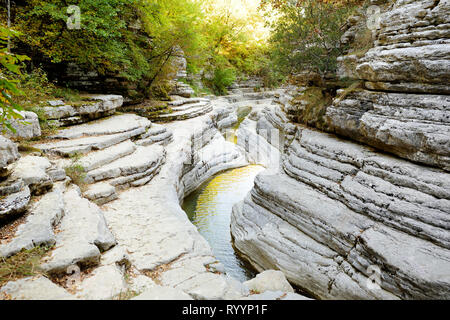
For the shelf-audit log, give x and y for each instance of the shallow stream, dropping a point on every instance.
(209, 209)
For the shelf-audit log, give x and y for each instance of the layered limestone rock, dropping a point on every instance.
(8, 154)
(403, 107)
(156, 134)
(38, 228)
(343, 220)
(184, 109)
(337, 211)
(26, 127)
(413, 126)
(16, 202)
(33, 171)
(182, 89)
(179, 65)
(39, 288)
(140, 242)
(92, 107)
(263, 135)
(118, 152)
(163, 237)
(97, 135)
(163, 293)
(83, 235)
(29, 175)
(248, 86)
(269, 280)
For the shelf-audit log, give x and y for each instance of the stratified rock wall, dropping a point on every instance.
(404, 106)
(337, 209)
(344, 220)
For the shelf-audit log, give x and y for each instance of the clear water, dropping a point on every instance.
(209, 209)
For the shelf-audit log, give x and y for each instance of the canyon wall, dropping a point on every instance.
(368, 218)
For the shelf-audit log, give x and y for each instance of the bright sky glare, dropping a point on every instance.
(247, 10)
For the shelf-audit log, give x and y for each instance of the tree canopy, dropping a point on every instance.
(222, 40)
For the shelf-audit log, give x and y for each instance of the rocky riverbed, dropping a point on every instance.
(122, 232)
(354, 202)
(343, 220)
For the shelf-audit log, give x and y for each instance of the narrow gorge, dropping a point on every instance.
(313, 190)
(369, 196)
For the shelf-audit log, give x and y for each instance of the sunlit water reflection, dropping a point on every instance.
(209, 209)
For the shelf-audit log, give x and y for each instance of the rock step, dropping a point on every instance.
(11, 185)
(27, 127)
(243, 90)
(105, 283)
(163, 139)
(142, 160)
(8, 154)
(184, 115)
(34, 173)
(101, 193)
(103, 157)
(95, 106)
(138, 179)
(182, 89)
(156, 134)
(15, 203)
(112, 125)
(251, 96)
(38, 227)
(180, 102)
(67, 148)
(155, 129)
(32, 288)
(30, 175)
(185, 107)
(83, 235)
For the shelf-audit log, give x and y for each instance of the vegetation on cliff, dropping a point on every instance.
(307, 34)
(137, 41)
(10, 69)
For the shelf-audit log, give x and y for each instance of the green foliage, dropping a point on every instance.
(228, 49)
(39, 89)
(139, 39)
(134, 39)
(101, 43)
(10, 69)
(222, 79)
(307, 35)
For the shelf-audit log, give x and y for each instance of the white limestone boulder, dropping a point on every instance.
(269, 280)
(8, 152)
(35, 288)
(38, 228)
(33, 171)
(83, 235)
(163, 293)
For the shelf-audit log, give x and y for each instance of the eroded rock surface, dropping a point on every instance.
(139, 243)
(39, 288)
(404, 107)
(8, 154)
(83, 235)
(94, 107)
(38, 229)
(336, 209)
